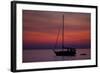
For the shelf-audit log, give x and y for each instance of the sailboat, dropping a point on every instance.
(66, 51)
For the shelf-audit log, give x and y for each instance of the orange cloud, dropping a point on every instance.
(39, 37)
(69, 37)
(77, 36)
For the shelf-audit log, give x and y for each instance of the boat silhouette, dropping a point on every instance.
(66, 51)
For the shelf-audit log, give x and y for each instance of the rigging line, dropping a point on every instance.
(57, 37)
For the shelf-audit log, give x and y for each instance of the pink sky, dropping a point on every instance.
(41, 27)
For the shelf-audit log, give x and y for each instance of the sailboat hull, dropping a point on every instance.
(64, 53)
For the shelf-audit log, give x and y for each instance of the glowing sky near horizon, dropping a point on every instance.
(40, 29)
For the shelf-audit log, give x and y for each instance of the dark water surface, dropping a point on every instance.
(42, 55)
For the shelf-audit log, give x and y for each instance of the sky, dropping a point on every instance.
(40, 29)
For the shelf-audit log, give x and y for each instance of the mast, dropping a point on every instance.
(62, 31)
(62, 34)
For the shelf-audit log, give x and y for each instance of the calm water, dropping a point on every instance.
(41, 55)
